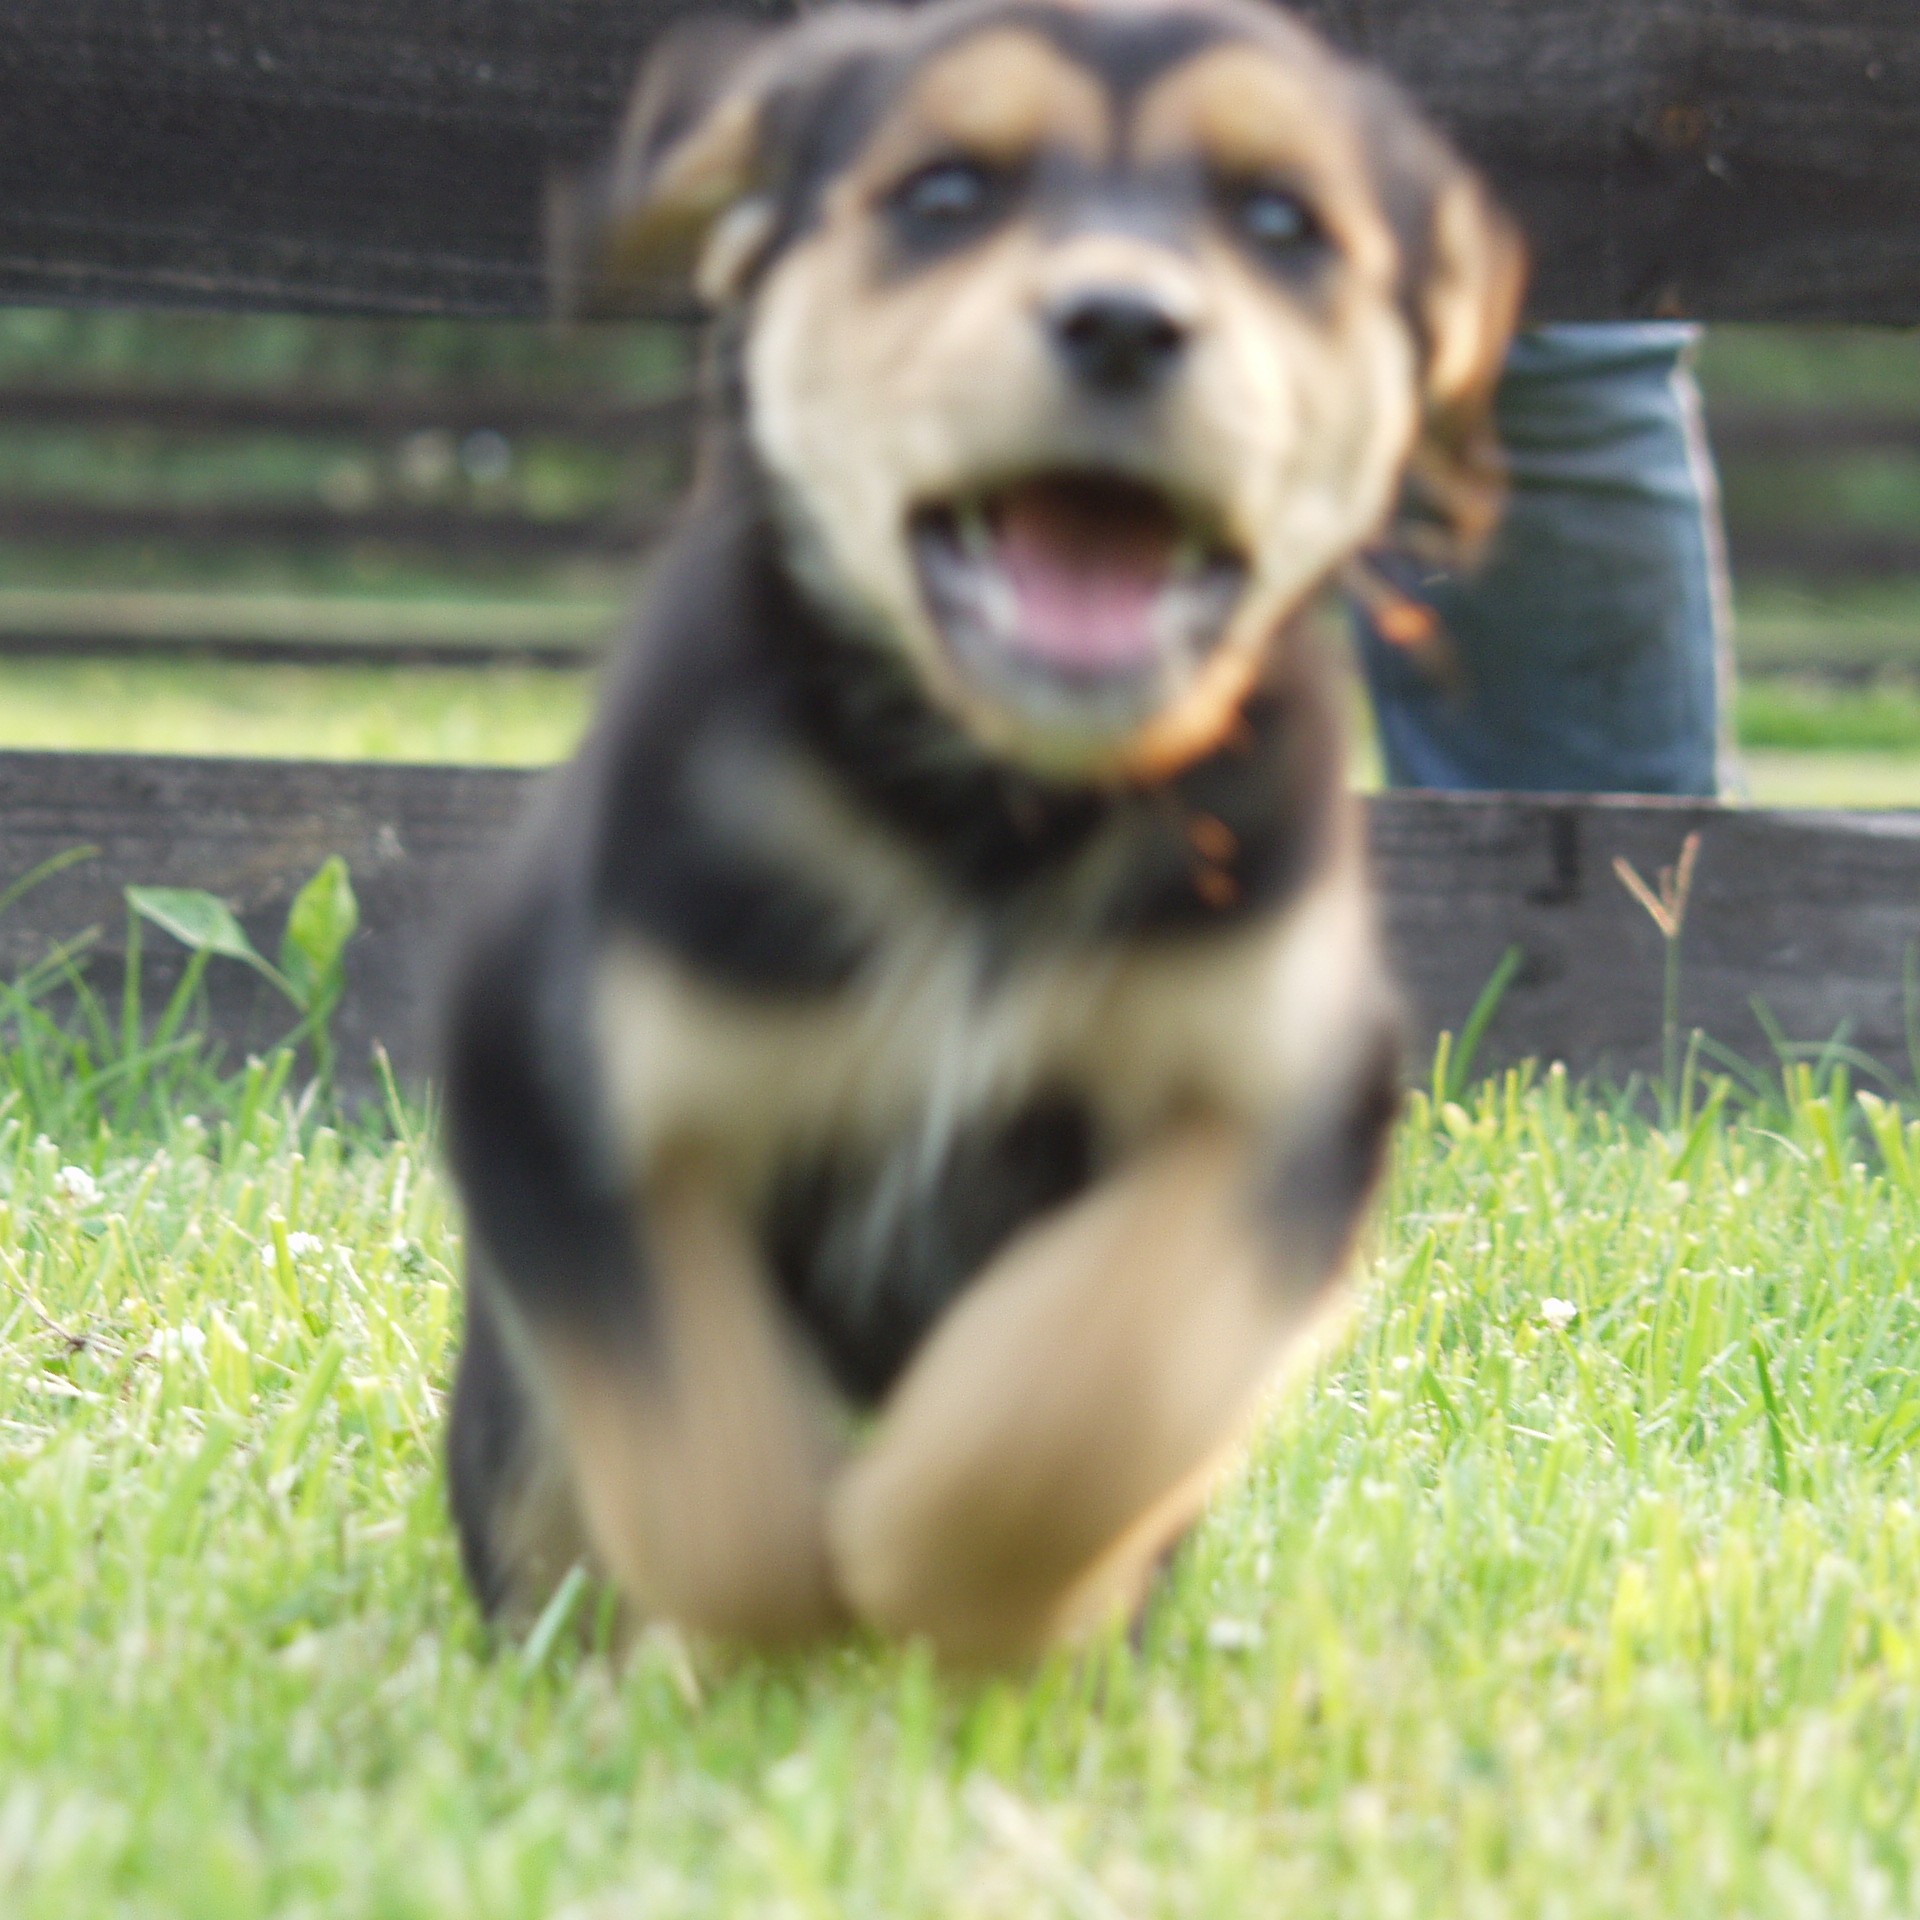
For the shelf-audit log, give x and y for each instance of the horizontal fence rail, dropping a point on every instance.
(1824, 554)
(1813, 432)
(382, 428)
(1667, 156)
(313, 650)
(423, 529)
(1813, 917)
(396, 413)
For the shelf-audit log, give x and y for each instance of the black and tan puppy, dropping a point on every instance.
(928, 1059)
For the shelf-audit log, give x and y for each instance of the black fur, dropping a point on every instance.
(521, 1099)
(1318, 1189)
(735, 663)
(657, 838)
(871, 1253)
(732, 661)
(487, 1447)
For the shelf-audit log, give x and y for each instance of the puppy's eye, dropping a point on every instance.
(1273, 220)
(949, 193)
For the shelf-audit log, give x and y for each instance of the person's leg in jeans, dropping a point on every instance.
(1590, 650)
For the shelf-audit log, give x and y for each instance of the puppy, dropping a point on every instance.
(924, 1066)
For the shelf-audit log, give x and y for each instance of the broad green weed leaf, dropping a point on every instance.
(321, 921)
(197, 920)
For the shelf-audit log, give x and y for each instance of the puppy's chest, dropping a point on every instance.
(940, 1036)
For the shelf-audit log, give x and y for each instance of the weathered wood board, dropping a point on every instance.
(252, 831)
(390, 412)
(1744, 160)
(1814, 913)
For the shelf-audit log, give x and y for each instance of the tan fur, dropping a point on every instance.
(702, 1463)
(1290, 425)
(1066, 1421)
(1066, 1417)
(1472, 303)
(1247, 1024)
(1251, 116)
(1002, 95)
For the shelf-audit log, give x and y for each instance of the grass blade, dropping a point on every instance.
(1775, 1428)
(1460, 1065)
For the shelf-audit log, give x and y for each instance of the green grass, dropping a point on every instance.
(1808, 744)
(1615, 1618)
(1880, 717)
(1804, 743)
(1811, 366)
(518, 716)
(1779, 778)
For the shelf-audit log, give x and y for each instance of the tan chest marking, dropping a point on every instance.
(1244, 1026)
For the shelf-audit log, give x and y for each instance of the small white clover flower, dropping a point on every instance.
(1233, 1636)
(300, 1246)
(76, 1186)
(1558, 1314)
(175, 1340)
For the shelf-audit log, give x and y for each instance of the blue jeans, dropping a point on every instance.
(1591, 649)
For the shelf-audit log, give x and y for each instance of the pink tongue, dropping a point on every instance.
(1087, 568)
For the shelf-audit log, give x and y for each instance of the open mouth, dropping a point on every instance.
(1087, 601)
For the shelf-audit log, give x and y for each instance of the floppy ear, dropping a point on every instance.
(676, 210)
(1468, 302)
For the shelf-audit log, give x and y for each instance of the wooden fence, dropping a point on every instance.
(387, 156)
(1815, 917)
(382, 423)
(1682, 156)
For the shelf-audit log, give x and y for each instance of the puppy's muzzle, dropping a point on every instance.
(1116, 341)
(1086, 586)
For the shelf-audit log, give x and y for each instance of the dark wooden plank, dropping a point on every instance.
(299, 523)
(1752, 433)
(1821, 553)
(599, 419)
(252, 831)
(1669, 156)
(294, 650)
(1815, 913)
(1727, 159)
(1886, 669)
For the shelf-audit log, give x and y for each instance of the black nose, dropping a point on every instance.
(1116, 340)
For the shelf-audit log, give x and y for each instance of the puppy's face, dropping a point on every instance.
(1081, 339)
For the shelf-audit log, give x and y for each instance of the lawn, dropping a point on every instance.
(1581, 1581)
(1804, 741)
(490, 715)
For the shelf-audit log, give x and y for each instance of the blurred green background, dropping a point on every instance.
(464, 501)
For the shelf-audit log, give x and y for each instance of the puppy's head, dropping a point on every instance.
(1079, 339)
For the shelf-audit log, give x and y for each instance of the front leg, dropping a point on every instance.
(701, 1454)
(631, 1384)
(1066, 1421)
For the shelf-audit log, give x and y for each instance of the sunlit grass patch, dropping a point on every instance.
(1581, 1580)
(487, 715)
